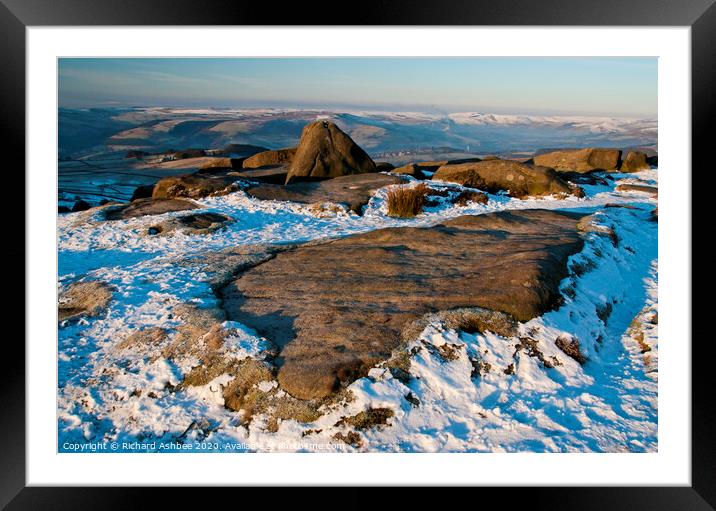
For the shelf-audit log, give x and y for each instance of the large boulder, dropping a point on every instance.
(353, 191)
(270, 158)
(580, 160)
(194, 186)
(324, 152)
(336, 309)
(634, 162)
(518, 179)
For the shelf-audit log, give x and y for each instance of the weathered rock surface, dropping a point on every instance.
(354, 191)
(634, 162)
(194, 186)
(194, 223)
(87, 298)
(274, 175)
(628, 187)
(518, 179)
(270, 158)
(336, 309)
(325, 151)
(580, 160)
(144, 207)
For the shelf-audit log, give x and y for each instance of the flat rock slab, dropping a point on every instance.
(628, 187)
(336, 309)
(273, 175)
(144, 207)
(193, 223)
(353, 190)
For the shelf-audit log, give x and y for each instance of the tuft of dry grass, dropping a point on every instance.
(367, 419)
(242, 393)
(570, 346)
(88, 298)
(399, 365)
(143, 340)
(248, 372)
(200, 335)
(407, 202)
(352, 438)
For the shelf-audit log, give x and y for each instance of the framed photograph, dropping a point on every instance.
(423, 246)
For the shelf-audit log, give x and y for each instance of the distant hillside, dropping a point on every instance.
(159, 129)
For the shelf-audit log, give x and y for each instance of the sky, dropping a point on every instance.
(614, 86)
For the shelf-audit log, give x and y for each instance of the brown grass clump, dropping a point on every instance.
(242, 393)
(449, 352)
(407, 202)
(287, 407)
(531, 348)
(399, 365)
(637, 333)
(570, 346)
(83, 299)
(248, 372)
(200, 335)
(352, 439)
(143, 340)
(368, 418)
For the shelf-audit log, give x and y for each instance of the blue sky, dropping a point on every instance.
(537, 85)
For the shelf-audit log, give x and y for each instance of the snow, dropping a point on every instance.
(586, 123)
(513, 402)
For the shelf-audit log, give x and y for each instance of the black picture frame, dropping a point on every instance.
(16, 15)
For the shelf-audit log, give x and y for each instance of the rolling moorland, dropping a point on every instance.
(290, 280)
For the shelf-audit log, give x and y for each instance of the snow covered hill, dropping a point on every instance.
(85, 131)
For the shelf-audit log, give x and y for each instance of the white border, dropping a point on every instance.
(671, 465)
